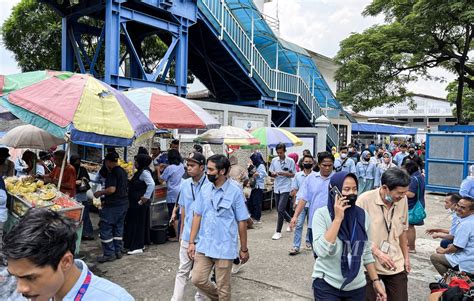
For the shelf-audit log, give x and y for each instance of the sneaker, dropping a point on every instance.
(294, 251)
(119, 255)
(276, 236)
(288, 229)
(102, 259)
(258, 222)
(309, 246)
(438, 278)
(87, 237)
(137, 251)
(236, 267)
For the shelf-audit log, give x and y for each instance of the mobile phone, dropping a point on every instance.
(335, 192)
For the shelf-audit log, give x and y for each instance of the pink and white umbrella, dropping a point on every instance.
(167, 111)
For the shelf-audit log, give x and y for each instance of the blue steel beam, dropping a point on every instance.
(98, 48)
(127, 14)
(67, 56)
(132, 50)
(126, 82)
(168, 55)
(112, 41)
(76, 50)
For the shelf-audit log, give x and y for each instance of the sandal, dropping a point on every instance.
(294, 251)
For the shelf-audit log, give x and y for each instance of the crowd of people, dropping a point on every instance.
(361, 208)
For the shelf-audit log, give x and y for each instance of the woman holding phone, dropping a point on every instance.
(340, 239)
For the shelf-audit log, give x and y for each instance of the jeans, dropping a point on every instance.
(325, 292)
(255, 203)
(86, 220)
(445, 243)
(111, 229)
(281, 199)
(299, 229)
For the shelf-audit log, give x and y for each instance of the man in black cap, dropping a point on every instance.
(190, 188)
(7, 167)
(114, 209)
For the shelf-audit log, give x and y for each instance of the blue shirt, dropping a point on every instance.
(298, 182)
(464, 241)
(188, 194)
(365, 171)
(348, 166)
(467, 187)
(260, 179)
(282, 184)
(398, 159)
(379, 170)
(221, 210)
(173, 175)
(455, 220)
(99, 288)
(315, 191)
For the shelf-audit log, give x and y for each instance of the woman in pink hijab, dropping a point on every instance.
(295, 157)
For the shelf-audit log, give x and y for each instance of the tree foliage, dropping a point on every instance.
(467, 100)
(33, 33)
(377, 64)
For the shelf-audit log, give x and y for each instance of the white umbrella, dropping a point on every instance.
(228, 135)
(29, 136)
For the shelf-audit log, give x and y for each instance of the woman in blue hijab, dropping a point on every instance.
(340, 239)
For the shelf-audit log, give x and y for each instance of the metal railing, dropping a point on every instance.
(274, 79)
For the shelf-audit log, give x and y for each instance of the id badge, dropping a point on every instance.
(385, 246)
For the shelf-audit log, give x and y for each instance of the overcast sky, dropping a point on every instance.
(318, 25)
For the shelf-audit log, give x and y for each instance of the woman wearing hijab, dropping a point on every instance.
(295, 157)
(258, 176)
(382, 167)
(140, 191)
(365, 171)
(341, 243)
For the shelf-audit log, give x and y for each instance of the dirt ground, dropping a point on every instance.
(271, 274)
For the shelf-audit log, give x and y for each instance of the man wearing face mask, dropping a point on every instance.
(344, 163)
(353, 154)
(412, 156)
(220, 217)
(298, 181)
(387, 207)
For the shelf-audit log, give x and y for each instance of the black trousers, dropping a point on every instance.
(396, 287)
(255, 203)
(136, 228)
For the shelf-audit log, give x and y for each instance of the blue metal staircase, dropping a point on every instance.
(279, 87)
(227, 44)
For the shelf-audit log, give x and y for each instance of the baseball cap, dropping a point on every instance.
(197, 157)
(112, 157)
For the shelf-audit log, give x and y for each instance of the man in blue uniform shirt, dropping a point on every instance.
(219, 213)
(190, 189)
(461, 252)
(40, 253)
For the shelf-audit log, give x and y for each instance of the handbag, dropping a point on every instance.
(417, 214)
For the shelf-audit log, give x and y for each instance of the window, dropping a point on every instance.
(451, 119)
(402, 119)
(434, 119)
(418, 119)
(342, 129)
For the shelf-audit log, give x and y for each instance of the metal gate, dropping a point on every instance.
(448, 157)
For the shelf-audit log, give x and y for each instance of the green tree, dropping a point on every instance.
(467, 100)
(33, 33)
(377, 64)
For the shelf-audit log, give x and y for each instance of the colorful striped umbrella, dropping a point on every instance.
(271, 137)
(228, 135)
(167, 111)
(78, 104)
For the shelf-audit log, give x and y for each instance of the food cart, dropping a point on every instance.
(26, 193)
